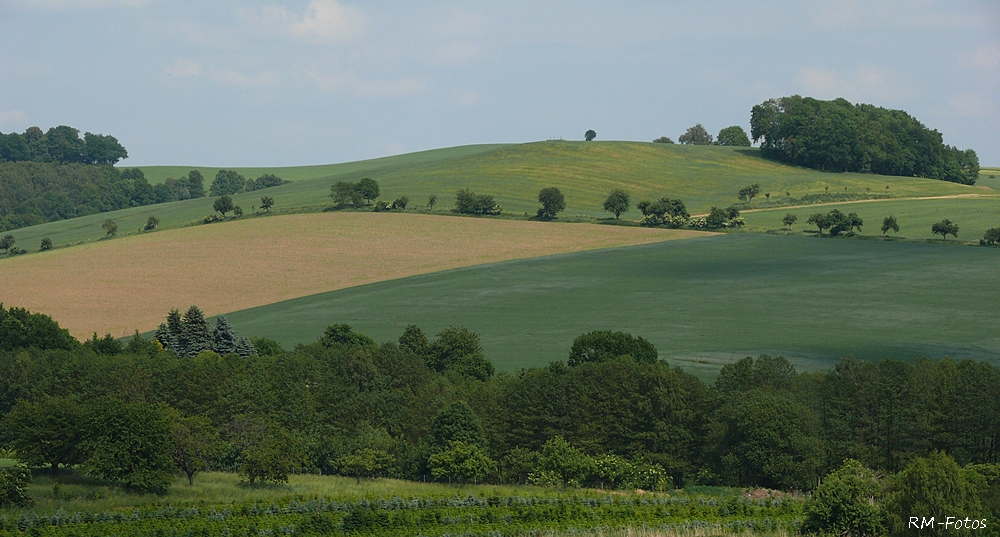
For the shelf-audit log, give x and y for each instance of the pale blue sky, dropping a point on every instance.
(270, 83)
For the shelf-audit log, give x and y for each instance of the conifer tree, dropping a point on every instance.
(223, 337)
(195, 336)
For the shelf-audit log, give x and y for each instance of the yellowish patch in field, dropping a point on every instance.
(130, 283)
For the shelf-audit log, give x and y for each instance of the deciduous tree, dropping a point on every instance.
(617, 202)
(369, 189)
(944, 228)
(696, 135)
(888, 223)
(266, 202)
(749, 192)
(223, 205)
(733, 136)
(195, 441)
(48, 431)
(110, 228)
(552, 201)
(590, 135)
(789, 220)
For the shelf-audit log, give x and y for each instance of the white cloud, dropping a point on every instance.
(183, 67)
(349, 82)
(12, 118)
(865, 83)
(237, 79)
(970, 104)
(323, 21)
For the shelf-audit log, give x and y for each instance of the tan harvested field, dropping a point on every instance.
(131, 283)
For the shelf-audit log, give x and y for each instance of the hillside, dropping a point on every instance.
(703, 303)
(702, 176)
(131, 283)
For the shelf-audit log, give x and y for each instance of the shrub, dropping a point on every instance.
(467, 202)
(848, 502)
(14, 483)
(46, 244)
(992, 236)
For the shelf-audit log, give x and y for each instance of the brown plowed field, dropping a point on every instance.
(131, 283)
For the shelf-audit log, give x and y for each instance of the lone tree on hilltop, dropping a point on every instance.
(617, 202)
(696, 135)
(552, 201)
(888, 223)
(733, 136)
(789, 220)
(110, 228)
(266, 202)
(223, 204)
(590, 135)
(663, 140)
(749, 192)
(944, 228)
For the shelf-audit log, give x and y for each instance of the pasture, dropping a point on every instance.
(703, 302)
(702, 176)
(131, 283)
(915, 217)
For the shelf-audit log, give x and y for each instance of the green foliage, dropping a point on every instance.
(888, 223)
(47, 431)
(589, 135)
(944, 228)
(45, 245)
(368, 188)
(400, 203)
(749, 192)
(14, 483)
(457, 349)
(7, 242)
(237, 211)
(838, 136)
(933, 486)
(364, 462)
(721, 218)
(789, 220)
(457, 423)
(151, 223)
(463, 461)
(414, 340)
(467, 202)
(61, 144)
(992, 236)
(195, 441)
(110, 228)
(130, 443)
(552, 202)
(266, 202)
(663, 212)
(268, 180)
(193, 336)
(227, 183)
(225, 340)
(107, 345)
(847, 502)
(269, 452)
(567, 462)
(617, 202)
(696, 135)
(606, 345)
(20, 328)
(819, 220)
(223, 204)
(764, 372)
(733, 136)
(432, 201)
(663, 140)
(266, 347)
(344, 335)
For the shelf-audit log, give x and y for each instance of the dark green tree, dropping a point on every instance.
(343, 334)
(21, 329)
(733, 136)
(227, 182)
(992, 236)
(847, 502)
(663, 140)
(789, 220)
(552, 201)
(14, 483)
(617, 202)
(347, 194)
(267, 180)
(46, 244)
(368, 188)
(105, 346)
(130, 444)
(365, 462)
(749, 192)
(766, 372)
(195, 442)
(414, 340)
(110, 228)
(102, 150)
(462, 461)
(266, 202)
(457, 423)
(696, 135)
(237, 211)
(606, 345)
(457, 349)
(933, 486)
(467, 202)
(567, 462)
(151, 223)
(432, 201)
(48, 431)
(6, 242)
(194, 333)
(820, 221)
(590, 135)
(223, 204)
(888, 223)
(944, 228)
(196, 184)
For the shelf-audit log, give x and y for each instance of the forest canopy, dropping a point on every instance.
(60, 144)
(843, 137)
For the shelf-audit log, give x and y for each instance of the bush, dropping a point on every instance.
(992, 236)
(46, 244)
(848, 502)
(467, 202)
(14, 483)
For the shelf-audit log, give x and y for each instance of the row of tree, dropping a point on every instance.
(730, 136)
(348, 405)
(61, 145)
(840, 136)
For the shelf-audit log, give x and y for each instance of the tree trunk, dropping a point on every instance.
(55, 469)
(190, 478)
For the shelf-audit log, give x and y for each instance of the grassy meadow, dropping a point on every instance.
(702, 176)
(915, 217)
(131, 283)
(703, 302)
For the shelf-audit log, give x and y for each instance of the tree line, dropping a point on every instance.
(843, 137)
(61, 145)
(609, 413)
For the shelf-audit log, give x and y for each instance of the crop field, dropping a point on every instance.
(130, 283)
(915, 217)
(702, 302)
(702, 176)
(324, 505)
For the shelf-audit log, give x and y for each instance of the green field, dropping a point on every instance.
(702, 176)
(915, 217)
(702, 302)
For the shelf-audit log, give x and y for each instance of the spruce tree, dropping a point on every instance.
(175, 327)
(195, 336)
(224, 337)
(166, 338)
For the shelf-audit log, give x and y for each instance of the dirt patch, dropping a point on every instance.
(121, 285)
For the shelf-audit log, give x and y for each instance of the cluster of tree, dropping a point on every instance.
(417, 408)
(839, 136)
(468, 202)
(192, 186)
(33, 193)
(61, 145)
(697, 135)
(991, 237)
(229, 182)
(663, 212)
(189, 335)
(347, 194)
(837, 222)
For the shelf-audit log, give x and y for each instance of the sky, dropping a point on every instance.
(266, 83)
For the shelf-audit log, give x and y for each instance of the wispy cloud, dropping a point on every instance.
(322, 22)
